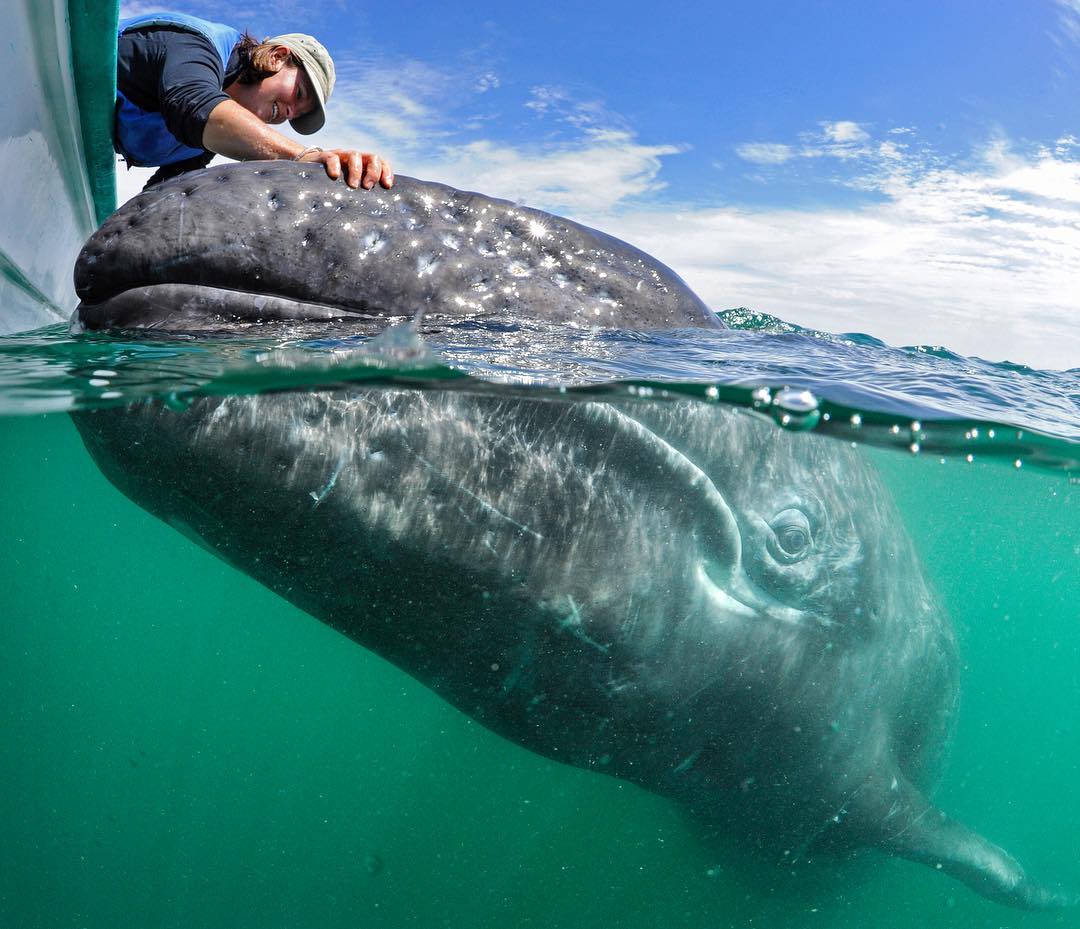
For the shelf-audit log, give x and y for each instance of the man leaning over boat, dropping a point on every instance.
(188, 89)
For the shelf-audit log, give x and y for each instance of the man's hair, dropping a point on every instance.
(255, 59)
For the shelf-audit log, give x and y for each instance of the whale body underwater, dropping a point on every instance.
(676, 594)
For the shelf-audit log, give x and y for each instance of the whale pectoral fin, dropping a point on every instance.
(911, 827)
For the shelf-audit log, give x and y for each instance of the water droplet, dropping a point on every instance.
(796, 409)
(796, 401)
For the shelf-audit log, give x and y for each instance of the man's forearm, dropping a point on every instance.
(237, 133)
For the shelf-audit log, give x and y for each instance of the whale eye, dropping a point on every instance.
(791, 539)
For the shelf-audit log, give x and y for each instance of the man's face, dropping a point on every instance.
(284, 95)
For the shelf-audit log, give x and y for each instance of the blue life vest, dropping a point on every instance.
(141, 135)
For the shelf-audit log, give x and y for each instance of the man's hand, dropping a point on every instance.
(362, 169)
(237, 133)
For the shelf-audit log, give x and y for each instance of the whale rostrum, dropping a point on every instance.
(277, 240)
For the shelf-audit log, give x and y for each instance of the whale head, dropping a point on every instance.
(263, 241)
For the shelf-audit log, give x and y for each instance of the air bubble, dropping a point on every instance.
(796, 409)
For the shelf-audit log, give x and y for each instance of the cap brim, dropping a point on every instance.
(316, 119)
(309, 122)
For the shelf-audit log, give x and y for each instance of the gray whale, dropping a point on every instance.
(277, 240)
(675, 594)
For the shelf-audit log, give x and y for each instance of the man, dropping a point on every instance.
(188, 89)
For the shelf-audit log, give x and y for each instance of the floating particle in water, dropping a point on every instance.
(373, 864)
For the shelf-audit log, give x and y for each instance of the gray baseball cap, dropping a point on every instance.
(319, 67)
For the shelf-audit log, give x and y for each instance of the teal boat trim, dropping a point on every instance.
(93, 58)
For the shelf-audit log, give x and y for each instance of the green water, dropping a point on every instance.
(181, 748)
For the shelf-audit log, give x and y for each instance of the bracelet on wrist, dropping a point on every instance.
(307, 151)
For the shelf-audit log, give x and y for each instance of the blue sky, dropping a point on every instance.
(907, 169)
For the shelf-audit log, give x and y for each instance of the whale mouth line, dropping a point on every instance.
(218, 293)
(738, 598)
(177, 305)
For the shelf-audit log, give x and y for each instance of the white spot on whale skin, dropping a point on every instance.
(321, 495)
(373, 243)
(426, 265)
(687, 763)
(573, 624)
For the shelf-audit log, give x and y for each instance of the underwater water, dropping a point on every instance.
(184, 748)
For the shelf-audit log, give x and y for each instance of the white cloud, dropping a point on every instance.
(1069, 18)
(983, 259)
(844, 132)
(408, 113)
(842, 139)
(594, 174)
(131, 8)
(764, 153)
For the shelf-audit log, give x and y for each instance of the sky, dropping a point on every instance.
(910, 170)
